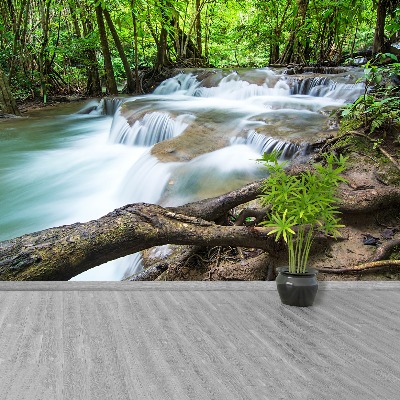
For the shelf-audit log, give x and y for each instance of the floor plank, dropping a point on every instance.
(197, 340)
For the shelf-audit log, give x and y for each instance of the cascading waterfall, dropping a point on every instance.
(211, 126)
(316, 86)
(264, 144)
(146, 180)
(153, 128)
(230, 87)
(326, 87)
(109, 106)
(184, 83)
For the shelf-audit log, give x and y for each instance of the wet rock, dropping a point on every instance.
(196, 140)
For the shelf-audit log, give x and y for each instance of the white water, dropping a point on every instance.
(264, 144)
(61, 169)
(153, 128)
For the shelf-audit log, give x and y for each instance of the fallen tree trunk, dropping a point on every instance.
(63, 252)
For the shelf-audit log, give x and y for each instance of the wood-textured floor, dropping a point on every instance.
(197, 340)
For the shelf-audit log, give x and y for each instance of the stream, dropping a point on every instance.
(198, 135)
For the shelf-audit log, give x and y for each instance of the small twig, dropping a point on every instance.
(366, 155)
(210, 254)
(218, 257)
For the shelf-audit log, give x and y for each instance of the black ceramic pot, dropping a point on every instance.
(297, 289)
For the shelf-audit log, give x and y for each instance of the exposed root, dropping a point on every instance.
(255, 268)
(373, 265)
(385, 250)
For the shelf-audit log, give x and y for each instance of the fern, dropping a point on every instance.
(378, 109)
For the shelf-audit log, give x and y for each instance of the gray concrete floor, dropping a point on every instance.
(197, 340)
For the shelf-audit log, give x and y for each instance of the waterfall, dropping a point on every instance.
(229, 87)
(153, 128)
(184, 83)
(264, 144)
(145, 181)
(111, 105)
(326, 87)
(241, 90)
(92, 107)
(106, 106)
(315, 86)
(348, 92)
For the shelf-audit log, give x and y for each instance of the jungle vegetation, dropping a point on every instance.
(81, 46)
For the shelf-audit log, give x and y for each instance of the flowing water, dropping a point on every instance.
(198, 135)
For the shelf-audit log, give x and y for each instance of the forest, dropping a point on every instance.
(64, 50)
(89, 47)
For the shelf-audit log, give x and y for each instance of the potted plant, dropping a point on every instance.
(300, 206)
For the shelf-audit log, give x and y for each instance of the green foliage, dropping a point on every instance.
(378, 109)
(301, 205)
(232, 34)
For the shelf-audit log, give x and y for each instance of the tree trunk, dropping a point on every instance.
(138, 87)
(73, 11)
(273, 53)
(162, 47)
(292, 51)
(167, 25)
(128, 72)
(198, 28)
(93, 85)
(110, 77)
(19, 40)
(379, 35)
(7, 101)
(63, 252)
(44, 64)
